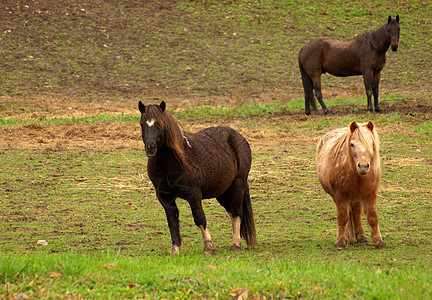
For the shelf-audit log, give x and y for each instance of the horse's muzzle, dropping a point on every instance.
(394, 47)
(363, 169)
(150, 149)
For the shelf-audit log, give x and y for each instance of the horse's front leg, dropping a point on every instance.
(342, 219)
(372, 219)
(172, 214)
(201, 222)
(368, 82)
(375, 90)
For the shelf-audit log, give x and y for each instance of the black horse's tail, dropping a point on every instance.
(308, 89)
(247, 225)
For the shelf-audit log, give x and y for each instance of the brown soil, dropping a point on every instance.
(111, 135)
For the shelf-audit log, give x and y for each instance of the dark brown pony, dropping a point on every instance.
(212, 163)
(348, 168)
(363, 55)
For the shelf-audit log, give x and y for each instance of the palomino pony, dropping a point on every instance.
(363, 55)
(212, 163)
(348, 168)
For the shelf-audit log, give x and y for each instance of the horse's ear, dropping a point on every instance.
(141, 107)
(162, 105)
(389, 20)
(397, 18)
(370, 125)
(353, 126)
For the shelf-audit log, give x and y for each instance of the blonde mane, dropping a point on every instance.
(368, 138)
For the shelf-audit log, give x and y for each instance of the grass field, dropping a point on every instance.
(73, 169)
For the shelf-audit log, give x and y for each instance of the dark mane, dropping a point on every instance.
(377, 38)
(174, 137)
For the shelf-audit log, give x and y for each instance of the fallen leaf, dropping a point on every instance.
(259, 297)
(54, 274)
(240, 294)
(211, 267)
(110, 266)
(131, 286)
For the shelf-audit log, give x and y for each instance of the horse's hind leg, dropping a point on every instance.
(317, 88)
(308, 90)
(232, 200)
(236, 237)
(356, 210)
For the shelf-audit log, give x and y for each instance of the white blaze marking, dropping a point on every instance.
(151, 122)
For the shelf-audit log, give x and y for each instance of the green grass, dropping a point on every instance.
(107, 234)
(194, 276)
(98, 208)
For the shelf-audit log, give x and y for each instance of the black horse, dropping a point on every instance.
(363, 55)
(212, 163)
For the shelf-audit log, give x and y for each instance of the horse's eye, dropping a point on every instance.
(352, 145)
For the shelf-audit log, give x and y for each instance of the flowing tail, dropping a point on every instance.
(247, 225)
(308, 90)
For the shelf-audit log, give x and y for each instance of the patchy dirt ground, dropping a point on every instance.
(112, 135)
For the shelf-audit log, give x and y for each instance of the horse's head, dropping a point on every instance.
(361, 146)
(393, 30)
(151, 127)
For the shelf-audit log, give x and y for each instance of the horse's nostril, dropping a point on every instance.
(150, 146)
(363, 166)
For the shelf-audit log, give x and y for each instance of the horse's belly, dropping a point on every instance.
(342, 69)
(217, 184)
(341, 61)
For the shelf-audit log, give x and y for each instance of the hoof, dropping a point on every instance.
(209, 252)
(380, 245)
(235, 247)
(341, 244)
(378, 110)
(175, 250)
(326, 112)
(208, 248)
(362, 239)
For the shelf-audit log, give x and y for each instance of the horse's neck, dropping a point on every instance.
(165, 157)
(378, 39)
